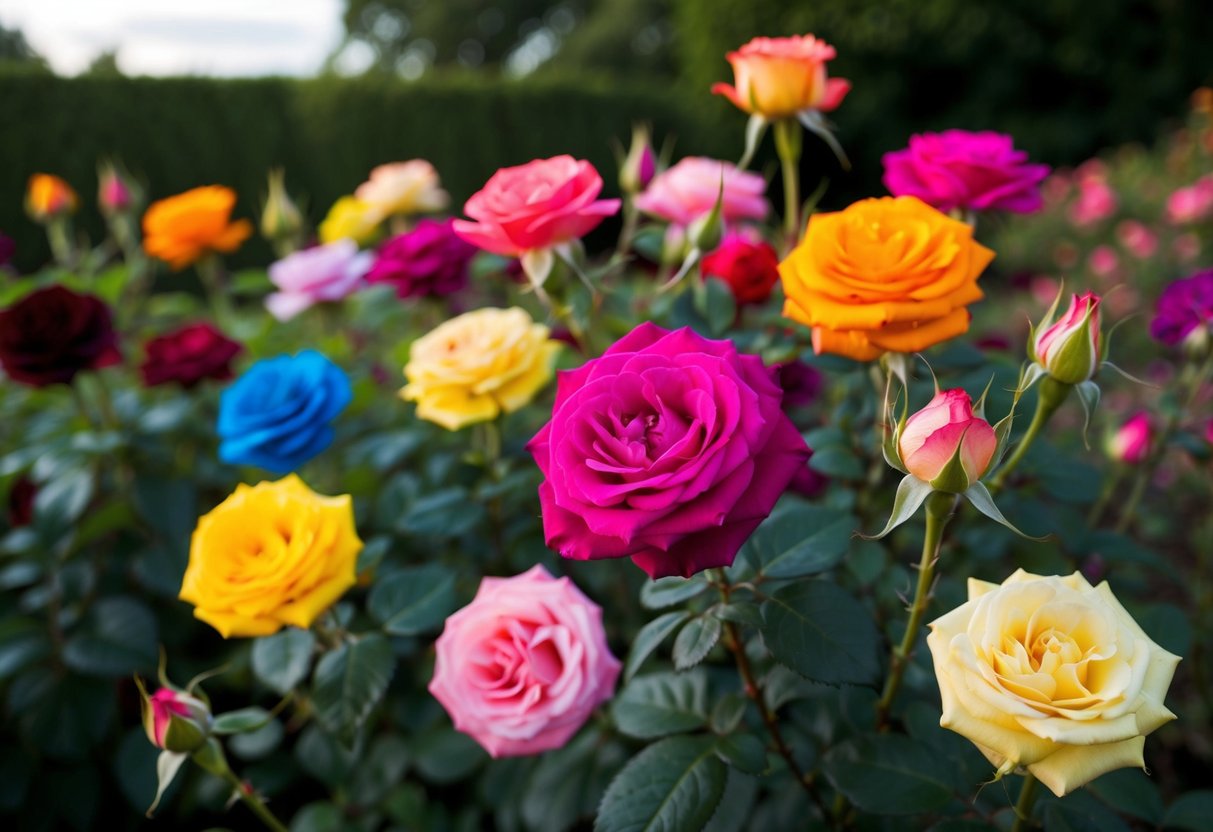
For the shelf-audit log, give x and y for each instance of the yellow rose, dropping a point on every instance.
(350, 218)
(477, 365)
(1052, 675)
(272, 554)
(890, 274)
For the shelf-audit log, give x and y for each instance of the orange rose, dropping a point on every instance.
(48, 197)
(182, 228)
(884, 275)
(780, 77)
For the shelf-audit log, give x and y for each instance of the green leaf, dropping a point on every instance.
(911, 494)
(822, 632)
(799, 540)
(321, 756)
(666, 592)
(744, 752)
(1190, 811)
(673, 786)
(1081, 812)
(448, 512)
(281, 661)
(22, 642)
(717, 305)
(414, 600)
(60, 502)
(381, 768)
(889, 774)
(350, 681)
(739, 612)
(569, 782)
(727, 713)
(1130, 792)
(649, 638)
(319, 816)
(447, 756)
(241, 721)
(695, 641)
(119, 637)
(838, 462)
(658, 704)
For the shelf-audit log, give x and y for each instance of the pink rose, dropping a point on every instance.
(1191, 204)
(933, 436)
(323, 273)
(522, 667)
(688, 191)
(174, 720)
(669, 449)
(1131, 444)
(1069, 349)
(1096, 201)
(1137, 238)
(1103, 261)
(972, 171)
(535, 206)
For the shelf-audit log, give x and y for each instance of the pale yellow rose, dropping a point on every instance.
(473, 367)
(403, 188)
(272, 554)
(1050, 674)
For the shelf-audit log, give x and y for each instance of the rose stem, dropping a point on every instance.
(1106, 494)
(787, 145)
(1023, 807)
(939, 511)
(210, 272)
(254, 802)
(1052, 394)
(753, 689)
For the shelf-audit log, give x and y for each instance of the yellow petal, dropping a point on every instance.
(1073, 766)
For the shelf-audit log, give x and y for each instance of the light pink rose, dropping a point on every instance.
(522, 667)
(688, 191)
(1103, 261)
(324, 273)
(535, 206)
(1191, 204)
(1137, 238)
(1131, 443)
(1096, 201)
(931, 437)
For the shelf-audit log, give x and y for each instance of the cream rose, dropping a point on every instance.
(1052, 675)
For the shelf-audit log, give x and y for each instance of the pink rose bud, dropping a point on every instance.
(639, 165)
(522, 667)
(1070, 348)
(1131, 444)
(942, 434)
(175, 720)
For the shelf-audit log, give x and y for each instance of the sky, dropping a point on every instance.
(175, 37)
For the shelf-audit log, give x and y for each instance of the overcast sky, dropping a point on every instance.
(170, 37)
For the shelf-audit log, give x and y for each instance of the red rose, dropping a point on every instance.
(750, 269)
(188, 356)
(53, 333)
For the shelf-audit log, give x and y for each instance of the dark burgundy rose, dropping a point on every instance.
(51, 334)
(801, 383)
(21, 502)
(429, 260)
(7, 249)
(188, 356)
(750, 268)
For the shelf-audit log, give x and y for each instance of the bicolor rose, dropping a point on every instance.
(943, 431)
(48, 197)
(326, 272)
(522, 667)
(778, 78)
(174, 720)
(688, 191)
(52, 334)
(1070, 347)
(669, 449)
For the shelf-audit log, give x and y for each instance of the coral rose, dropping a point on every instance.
(688, 191)
(476, 366)
(1050, 674)
(181, 229)
(403, 188)
(884, 275)
(522, 667)
(270, 555)
(52, 334)
(779, 77)
(188, 356)
(535, 206)
(669, 449)
(935, 435)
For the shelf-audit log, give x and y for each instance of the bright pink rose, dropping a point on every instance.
(1069, 349)
(669, 449)
(187, 716)
(749, 268)
(1096, 201)
(931, 437)
(972, 171)
(688, 191)
(323, 273)
(522, 667)
(1131, 444)
(535, 206)
(1191, 204)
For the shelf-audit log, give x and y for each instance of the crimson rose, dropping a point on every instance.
(189, 355)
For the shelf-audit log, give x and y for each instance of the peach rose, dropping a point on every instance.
(403, 188)
(780, 77)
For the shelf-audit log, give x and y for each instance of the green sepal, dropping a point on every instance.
(890, 442)
(911, 494)
(979, 496)
(952, 478)
(1045, 323)
(691, 259)
(1030, 374)
(183, 735)
(755, 129)
(211, 758)
(816, 123)
(1127, 375)
(1088, 394)
(167, 766)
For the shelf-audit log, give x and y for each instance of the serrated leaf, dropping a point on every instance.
(888, 774)
(727, 713)
(666, 592)
(649, 638)
(822, 632)
(673, 786)
(799, 540)
(414, 600)
(350, 681)
(744, 752)
(658, 704)
(740, 612)
(281, 661)
(695, 641)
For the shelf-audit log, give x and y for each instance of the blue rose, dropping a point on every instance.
(278, 414)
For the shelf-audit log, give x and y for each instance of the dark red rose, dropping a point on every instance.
(21, 502)
(189, 355)
(749, 268)
(51, 334)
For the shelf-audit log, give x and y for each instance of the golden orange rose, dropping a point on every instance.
(48, 197)
(884, 275)
(181, 229)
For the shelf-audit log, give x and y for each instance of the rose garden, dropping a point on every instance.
(917, 540)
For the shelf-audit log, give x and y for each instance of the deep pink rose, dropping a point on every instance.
(188, 356)
(932, 436)
(1131, 444)
(750, 268)
(323, 273)
(429, 260)
(669, 449)
(688, 191)
(175, 721)
(971, 171)
(522, 667)
(535, 206)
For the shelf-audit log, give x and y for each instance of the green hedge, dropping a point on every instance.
(327, 133)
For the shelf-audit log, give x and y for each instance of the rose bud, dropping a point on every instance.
(945, 444)
(116, 192)
(175, 720)
(639, 165)
(1070, 348)
(48, 197)
(281, 221)
(1131, 444)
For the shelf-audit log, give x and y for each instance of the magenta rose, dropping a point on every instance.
(535, 206)
(669, 449)
(689, 190)
(522, 667)
(429, 260)
(971, 171)
(52, 334)
(188, 356)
